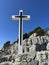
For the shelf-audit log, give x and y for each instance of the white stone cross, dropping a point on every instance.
(20, 17)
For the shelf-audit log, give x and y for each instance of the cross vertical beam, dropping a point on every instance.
(20, 27)
(20, 17)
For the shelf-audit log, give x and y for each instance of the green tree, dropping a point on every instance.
(38, 30)
(6, 45)
(25, 36)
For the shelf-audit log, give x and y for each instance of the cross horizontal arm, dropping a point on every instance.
(26, 17)
(15, 17)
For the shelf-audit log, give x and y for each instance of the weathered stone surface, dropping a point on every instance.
(30, 47)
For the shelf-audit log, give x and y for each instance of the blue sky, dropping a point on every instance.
(37, 9)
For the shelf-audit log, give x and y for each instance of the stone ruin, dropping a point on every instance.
(30, 53)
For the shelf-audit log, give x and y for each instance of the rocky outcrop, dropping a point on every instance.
(31, 45)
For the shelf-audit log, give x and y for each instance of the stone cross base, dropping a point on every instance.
(20, 49)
